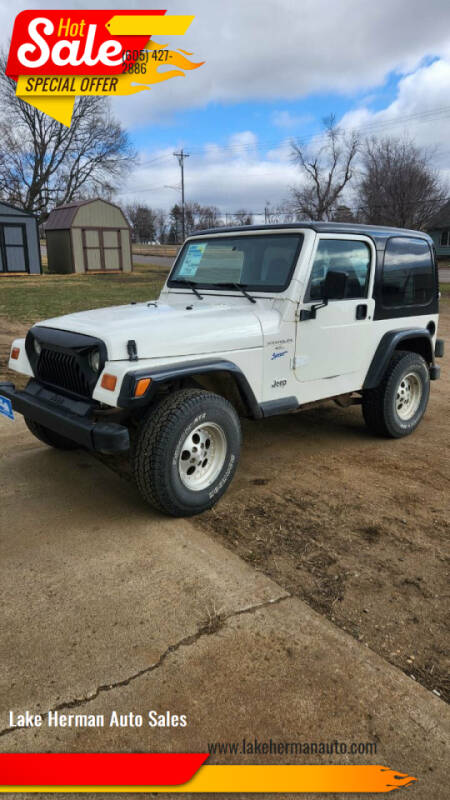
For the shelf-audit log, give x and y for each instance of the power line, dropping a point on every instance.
(197, 152)
(154, 160)
(421, 116)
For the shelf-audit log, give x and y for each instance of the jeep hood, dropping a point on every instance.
(164, 330)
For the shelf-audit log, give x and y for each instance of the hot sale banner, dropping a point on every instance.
(56, 56)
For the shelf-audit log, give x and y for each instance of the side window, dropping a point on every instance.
(408, 274)
(341, 255)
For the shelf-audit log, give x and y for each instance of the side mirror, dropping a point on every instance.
(334, 286)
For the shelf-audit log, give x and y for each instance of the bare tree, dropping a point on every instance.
(206, 216)
(44, 163)
(284, 212)
(326, 171)
(161, 225)
(398, 185)
(242, 217)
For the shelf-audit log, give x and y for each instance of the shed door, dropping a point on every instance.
(102, 249)
(112, 252)
(13, 248)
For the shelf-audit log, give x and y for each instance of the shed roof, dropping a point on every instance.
(7, 208)
(62, 217)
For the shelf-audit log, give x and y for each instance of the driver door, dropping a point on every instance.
(337, 341)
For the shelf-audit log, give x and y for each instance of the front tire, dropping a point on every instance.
(396, 406)
(186, 452)
(49, 437)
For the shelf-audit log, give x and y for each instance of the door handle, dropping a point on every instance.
(361, 311)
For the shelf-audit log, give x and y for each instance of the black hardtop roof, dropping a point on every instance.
(378, 233)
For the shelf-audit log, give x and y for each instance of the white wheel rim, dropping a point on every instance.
(409, 395)
(202, 456)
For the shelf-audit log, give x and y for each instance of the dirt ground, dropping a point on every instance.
(355, 526)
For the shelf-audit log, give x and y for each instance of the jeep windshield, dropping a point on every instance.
(256, 262)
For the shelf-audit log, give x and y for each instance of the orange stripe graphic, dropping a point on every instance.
(271, 778)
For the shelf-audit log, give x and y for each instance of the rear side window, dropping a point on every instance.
(341, 255)
(408, 273)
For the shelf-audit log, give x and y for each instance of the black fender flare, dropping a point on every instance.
(162, 374)
(391, 342)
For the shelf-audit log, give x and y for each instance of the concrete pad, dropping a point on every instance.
(284, 673)
(104, 606)
(95, 586)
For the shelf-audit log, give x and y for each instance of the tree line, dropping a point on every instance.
(343, 178)
(377, 180)
(165, 227)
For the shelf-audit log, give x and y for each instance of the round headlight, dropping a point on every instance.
(37, 347)
(94, 360)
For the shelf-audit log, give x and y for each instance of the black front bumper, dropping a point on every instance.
(69, 418)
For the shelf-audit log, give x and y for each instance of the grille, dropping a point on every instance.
(62, 369)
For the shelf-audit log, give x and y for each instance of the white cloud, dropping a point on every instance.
(292, 48)
(258, 49)
(285, 119)
(420, 111)
(231, 176)
(245, 141)
(242, 174)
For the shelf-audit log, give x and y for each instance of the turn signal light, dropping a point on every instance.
(109, 382)
(142, 386)
(15, 352)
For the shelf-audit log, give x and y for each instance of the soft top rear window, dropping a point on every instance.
(260, 262)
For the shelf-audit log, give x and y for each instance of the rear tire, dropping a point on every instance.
(49, 437)
(186, 452)
(395, 407)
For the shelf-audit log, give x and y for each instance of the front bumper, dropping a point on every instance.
(69, 418)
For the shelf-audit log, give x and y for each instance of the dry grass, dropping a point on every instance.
(28, 298)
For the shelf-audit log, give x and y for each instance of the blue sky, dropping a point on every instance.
(271, 121)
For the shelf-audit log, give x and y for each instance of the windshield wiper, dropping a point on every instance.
(192, 286)
(239, 286)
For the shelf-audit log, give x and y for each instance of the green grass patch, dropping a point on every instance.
(32, 298)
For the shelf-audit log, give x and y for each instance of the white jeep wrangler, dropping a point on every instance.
(252, 321)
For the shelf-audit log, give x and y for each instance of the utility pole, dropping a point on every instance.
(181, 156)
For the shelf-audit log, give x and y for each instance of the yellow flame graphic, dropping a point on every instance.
(58, 102)
(153, 75)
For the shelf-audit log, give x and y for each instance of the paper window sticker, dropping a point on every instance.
(192, 260)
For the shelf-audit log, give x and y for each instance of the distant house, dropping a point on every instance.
(439, 230)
